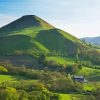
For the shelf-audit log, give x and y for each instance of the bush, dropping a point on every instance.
(3, 69)
(8, 94)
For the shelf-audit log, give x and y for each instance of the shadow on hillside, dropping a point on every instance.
(53, 40)
(19, 47)
(17, 25)
(19, 60)
(15, 42)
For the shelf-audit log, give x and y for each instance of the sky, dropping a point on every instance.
(80, 18)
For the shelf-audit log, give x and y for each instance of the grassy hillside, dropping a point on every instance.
(32, 35)
(32, 42)
(73, 97)
(61, 60)
(13, 78)
(20, 60)
(90, 73)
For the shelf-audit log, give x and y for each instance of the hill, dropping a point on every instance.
(32, 35)
(93, 40)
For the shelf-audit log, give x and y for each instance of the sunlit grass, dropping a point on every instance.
(4, 78)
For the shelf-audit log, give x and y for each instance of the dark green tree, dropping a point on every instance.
(42, 59)
(77, 55)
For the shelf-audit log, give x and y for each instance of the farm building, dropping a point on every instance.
(79, 78)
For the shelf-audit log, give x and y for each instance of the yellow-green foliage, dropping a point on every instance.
(87, 72)
(14, 78)
(9, 94)
(3, 69)
(91, 85)
(65, 97)
(72, 97)
(90, 73)
(61, 60)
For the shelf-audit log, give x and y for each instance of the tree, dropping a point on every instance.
(8, 94)
(3, 70)
(90, 97)
(41, 59)
(23, 95)
(98, 97)
(77, 55)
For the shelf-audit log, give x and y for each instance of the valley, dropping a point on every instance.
(39, 62)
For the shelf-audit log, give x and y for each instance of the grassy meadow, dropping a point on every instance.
(90, 73)
(13, 78)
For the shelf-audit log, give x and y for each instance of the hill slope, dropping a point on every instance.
(31, 35)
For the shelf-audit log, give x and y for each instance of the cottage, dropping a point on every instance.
(79, 78)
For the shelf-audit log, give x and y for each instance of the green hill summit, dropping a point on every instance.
(27, 21)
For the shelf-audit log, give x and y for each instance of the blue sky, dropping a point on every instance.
(78, 17)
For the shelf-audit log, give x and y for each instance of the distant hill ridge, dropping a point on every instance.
(94, 40)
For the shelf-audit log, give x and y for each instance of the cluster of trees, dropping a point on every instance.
(90, 60)
(40, 90)
(94, 95)
(87, 52)
(3, 70)
(52, 65)
(73, 69)
(34, 74)
(58, 71)
(57, 81)
(26, 91)
(64, 85)
(51, 79)
(94, 56)
(89, 97)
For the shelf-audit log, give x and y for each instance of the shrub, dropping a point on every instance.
(3, 69)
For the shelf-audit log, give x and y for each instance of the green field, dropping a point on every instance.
(61, 60)
(65, 97)
(71, 96)
(91, 85)
(13, 78)
(92, 76)
(90, 73)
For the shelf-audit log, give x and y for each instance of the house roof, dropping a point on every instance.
(79, 77)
